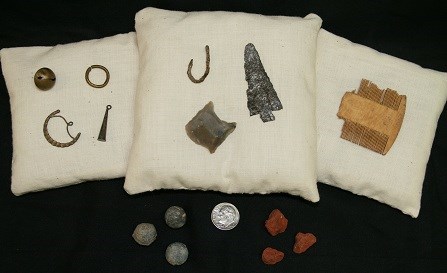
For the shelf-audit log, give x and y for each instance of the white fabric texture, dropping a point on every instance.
(275, 156)
(396, 178)
(36, 164)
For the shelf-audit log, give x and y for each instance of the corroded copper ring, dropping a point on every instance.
(87, 73)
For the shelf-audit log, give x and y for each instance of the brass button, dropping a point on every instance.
(44, 79)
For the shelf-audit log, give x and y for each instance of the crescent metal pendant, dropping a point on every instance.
(50, 139)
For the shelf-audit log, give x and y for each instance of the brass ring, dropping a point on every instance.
(87, 73)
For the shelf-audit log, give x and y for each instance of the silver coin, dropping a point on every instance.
(225, 216)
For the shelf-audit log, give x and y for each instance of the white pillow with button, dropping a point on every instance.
(39, 162)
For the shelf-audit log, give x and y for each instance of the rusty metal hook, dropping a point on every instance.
(207, 70)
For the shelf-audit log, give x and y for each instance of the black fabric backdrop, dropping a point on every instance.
(88, 227)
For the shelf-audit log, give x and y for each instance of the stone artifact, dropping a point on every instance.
(225, 216)
(207, 129)
(272, 256)
(145, 234)
(175, 217)
(303, 241)
(276, 223)
(176, 253)
(261, 96)
(44, 79)
(373, 117)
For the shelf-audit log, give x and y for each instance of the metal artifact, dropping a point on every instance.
(225, 216)
(103, 131)
(44, 79)
(207, 69)
(50, 139)
(87, 76)
(261, 96)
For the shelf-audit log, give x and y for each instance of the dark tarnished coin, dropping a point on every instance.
(44, 79)
(176, 253)
(145, 234)
(225, 216)
(175, 217)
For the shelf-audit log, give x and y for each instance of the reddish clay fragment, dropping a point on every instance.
(276, 223)
(272, 256)
(303, 241)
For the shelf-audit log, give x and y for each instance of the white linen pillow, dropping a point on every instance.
(38, 165)
(395, 178)
(258, 157)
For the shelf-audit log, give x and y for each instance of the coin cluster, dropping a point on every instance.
(176, 253)
(145, 234)
(225, 216)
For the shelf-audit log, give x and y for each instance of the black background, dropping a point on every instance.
(88, 227)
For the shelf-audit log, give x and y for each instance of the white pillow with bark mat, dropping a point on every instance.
(376, 121)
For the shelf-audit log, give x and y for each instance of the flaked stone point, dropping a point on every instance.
(145, 234)
(175, 217)
(207, 129)
(176, 253)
